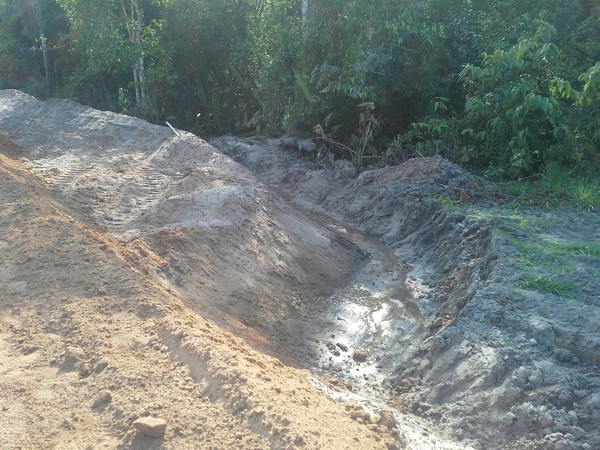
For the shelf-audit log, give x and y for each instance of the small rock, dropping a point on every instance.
(573, 418)
(342, 347)
(391, 445)
(536, 378)
(100, 366)
(387, 418)
(521, 376)
(577, 432)
(74, 355)
(580, 393)
(555, 436)
(359, 356)
(564, 395)
(594, 401)
(150, 426)
(542, 332)
(509, 418)
(437, 344)
(375, 418)
(563, 355)
(104, 398)
(85, 370)
(406, 383)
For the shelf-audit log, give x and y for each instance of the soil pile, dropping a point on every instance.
(114, 235)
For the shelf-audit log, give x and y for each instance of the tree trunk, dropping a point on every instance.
(37, 12)
(136, 83)
(304, 11)
(138, 20)
(135, 19)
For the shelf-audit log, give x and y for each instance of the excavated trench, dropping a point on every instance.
(345, 276)
(365, 325)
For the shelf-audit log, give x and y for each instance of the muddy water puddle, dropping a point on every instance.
(365, 326)
(372, 321)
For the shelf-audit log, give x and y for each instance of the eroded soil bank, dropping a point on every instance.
(498, 366)
(148, 275)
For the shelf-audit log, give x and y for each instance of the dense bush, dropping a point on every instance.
(505, 87)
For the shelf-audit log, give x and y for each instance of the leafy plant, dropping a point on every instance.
(511, 118)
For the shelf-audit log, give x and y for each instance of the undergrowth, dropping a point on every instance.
(556, 186)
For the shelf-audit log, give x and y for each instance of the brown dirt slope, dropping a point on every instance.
(96, 333)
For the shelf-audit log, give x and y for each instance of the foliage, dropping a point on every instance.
(555, 186)
(504, 87)
(204, 79)
(520, 114)
(33, 35)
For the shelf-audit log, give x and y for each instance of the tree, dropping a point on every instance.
(43, 42)
(134, 18)
(31, 28)
(208, 74)
(304, 11)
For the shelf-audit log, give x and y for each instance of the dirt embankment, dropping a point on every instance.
(150, 280)
(499, 366)
(122, 250)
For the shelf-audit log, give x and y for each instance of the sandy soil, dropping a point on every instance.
(98, 331)
(160, 293)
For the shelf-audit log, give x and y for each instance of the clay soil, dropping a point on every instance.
(158, 292)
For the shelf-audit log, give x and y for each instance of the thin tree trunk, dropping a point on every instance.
(304, 11)
(138, 23)
(136, 83)
(135, 18)
(45, 56)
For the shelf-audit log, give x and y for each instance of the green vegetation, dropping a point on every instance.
(544, 246)
(509, 89)
(547, 286)
(590, 250)
(555, 186)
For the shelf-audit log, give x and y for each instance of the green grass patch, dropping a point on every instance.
(591, 249)
(556, 186)
(547, 285)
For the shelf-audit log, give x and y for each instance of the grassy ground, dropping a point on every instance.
(556, 187)
(547, 227)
